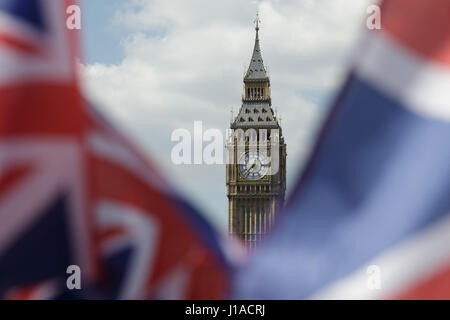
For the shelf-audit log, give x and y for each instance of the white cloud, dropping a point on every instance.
(185, 60)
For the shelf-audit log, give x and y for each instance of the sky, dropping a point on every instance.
(154, 66)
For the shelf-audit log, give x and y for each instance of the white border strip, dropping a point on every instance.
(420, 85)
(402, 266)
(107, 147)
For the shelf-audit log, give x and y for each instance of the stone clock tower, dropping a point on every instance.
(256, 158)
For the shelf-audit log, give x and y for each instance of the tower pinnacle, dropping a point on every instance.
(257, 22)
(256, 70)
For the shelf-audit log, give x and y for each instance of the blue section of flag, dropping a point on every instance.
(117, 269)
(379, 174)
(29, 11)
(41, 253)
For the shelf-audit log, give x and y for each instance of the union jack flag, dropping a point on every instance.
(73, 191)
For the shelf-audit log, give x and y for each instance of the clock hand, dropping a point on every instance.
(248, 169)
(252, 166)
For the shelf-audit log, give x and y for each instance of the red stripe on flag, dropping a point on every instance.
(25, 293)
(436, 287)
(17, 44)
(40, 109)
(111, 233)
(8, 179)
(423, 26)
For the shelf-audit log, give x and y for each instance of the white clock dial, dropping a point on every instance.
(253, 165)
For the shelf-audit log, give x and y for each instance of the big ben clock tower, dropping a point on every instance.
(256, 158)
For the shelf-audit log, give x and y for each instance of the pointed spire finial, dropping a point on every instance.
(256, 69)
(257, 21)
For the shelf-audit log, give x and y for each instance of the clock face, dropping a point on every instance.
(253, 165)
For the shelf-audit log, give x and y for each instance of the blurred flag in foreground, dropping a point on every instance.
(370, 216)
(74, 192)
